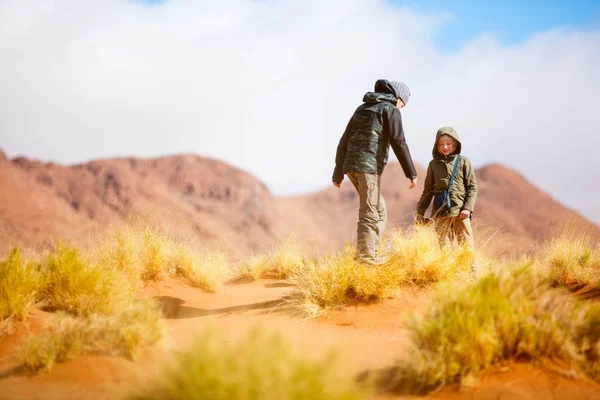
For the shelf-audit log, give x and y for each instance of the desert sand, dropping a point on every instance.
(366, 337)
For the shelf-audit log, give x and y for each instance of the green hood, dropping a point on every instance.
(446, 130)
(375, 97)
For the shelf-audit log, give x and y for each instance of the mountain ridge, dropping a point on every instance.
(215, 204)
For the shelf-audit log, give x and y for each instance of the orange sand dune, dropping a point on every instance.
(367, 337)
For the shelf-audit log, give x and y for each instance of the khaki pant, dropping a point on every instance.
(450, 228)
(372, 214)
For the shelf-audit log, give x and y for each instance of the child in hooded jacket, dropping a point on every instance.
(453, 222)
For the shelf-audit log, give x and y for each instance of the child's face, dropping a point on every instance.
(445, 146)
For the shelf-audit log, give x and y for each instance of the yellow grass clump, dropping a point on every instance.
(203, 270)
(121, 334)
(80, 287)
(148, 255)
(413, 258)
(417, 253)
(511, 313)
(280, 264)
(120, 251)
(572, 259)
(20, 282)
(258, 366)
(97, 308)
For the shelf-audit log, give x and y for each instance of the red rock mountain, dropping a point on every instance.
(213, 203)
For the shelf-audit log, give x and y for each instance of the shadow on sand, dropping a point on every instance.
(15, 371)
(279, 284)
(172, 308)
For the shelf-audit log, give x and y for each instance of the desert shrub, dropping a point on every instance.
(512, 313)
(121, 334)
(147, 255)
(201, 269)
(329, 282)
(283, 261)
(413, 258)
(572, 259)
(154, 256)
(259, 366)
(120, 249)
(20, 282)
(79, 287)
(417, 253)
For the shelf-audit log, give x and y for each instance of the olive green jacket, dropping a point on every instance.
(439, 171)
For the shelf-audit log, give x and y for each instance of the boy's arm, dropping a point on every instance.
(470, 186)
(398, 142)
(338, 175)
(427, 193)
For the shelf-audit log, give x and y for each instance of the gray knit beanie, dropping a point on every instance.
(401, 90)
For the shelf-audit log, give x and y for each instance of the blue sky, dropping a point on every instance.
(509, 21)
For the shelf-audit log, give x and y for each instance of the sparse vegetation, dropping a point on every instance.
(97, 310)
(79, 287)
(283, 262)
(121, 334)
(20, 282)
(259, 366)
(414, 258)
(572, 259)
(148, 255)
(203, 270)
(416, 252)
(510, 314)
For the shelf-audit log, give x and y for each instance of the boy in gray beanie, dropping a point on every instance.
(362, 154)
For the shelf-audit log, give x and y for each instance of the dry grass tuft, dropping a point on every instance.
(97, 308)
(572, 259)
(284, 261)
(20, 282)
(203, 270)
(79, 287)
(148, 255)
(416, 252)
(258, 366)
(122, 334)
(413, 258)
(511, 313)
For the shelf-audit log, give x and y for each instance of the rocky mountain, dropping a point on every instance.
(215, 204)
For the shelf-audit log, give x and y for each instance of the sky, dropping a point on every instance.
(268, 86)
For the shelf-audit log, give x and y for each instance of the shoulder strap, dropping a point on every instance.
(453, 172)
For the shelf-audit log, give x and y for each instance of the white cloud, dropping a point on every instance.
(269, 86)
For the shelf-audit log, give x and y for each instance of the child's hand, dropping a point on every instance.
(337, 184)
(413, 183)
(464, 214)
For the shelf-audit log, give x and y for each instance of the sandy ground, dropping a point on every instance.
(366, 337)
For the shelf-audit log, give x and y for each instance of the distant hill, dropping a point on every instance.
(215, 204)
(511, 215)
